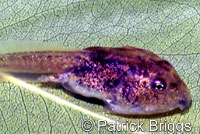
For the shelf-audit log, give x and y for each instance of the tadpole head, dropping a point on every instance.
(162, 91)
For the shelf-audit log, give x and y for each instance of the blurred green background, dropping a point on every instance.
(169, 28)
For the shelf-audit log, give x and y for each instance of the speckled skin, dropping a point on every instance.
(121, 77)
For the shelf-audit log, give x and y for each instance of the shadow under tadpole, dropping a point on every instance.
(99, 102)
(158, 115)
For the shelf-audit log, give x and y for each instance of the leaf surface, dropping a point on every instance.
(170, 29)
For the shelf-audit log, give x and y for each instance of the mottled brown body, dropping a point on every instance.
(129, 80)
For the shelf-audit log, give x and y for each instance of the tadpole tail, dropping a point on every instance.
(41, 62)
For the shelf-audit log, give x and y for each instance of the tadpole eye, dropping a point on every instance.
(158, 84)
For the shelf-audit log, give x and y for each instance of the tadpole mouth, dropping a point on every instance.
(184, 104)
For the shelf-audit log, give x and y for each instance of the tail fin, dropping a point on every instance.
(39, 62)
(15, 46)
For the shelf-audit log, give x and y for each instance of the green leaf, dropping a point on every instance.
(170, 28)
